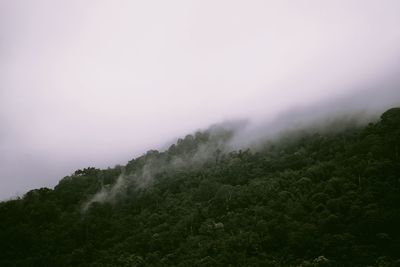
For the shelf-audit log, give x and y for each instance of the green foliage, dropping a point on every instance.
(330, 199)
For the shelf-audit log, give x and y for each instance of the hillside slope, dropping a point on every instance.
(315, 199)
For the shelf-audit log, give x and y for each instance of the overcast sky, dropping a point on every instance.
(96, 83)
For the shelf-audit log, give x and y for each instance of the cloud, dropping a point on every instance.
(96, 83)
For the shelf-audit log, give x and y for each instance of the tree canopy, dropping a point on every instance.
(309, 199)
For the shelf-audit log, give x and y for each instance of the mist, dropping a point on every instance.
(98, 83)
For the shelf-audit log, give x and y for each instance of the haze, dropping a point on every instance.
(96, 83)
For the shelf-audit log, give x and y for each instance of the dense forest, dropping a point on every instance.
(329, 198)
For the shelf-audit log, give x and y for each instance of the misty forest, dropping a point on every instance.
(327, 197)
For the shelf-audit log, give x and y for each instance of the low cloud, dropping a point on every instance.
(97, 83)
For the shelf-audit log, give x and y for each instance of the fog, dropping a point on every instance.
(96, 83)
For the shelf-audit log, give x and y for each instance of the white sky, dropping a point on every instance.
(98, 82)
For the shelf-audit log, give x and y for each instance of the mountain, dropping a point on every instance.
(307, 198)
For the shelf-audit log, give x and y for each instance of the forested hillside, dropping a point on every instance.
(310, 199)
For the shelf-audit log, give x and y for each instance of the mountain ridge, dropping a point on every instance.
(308, 199)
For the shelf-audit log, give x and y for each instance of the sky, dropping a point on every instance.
(97, 83)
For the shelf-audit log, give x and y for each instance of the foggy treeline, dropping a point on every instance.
(323, 194)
